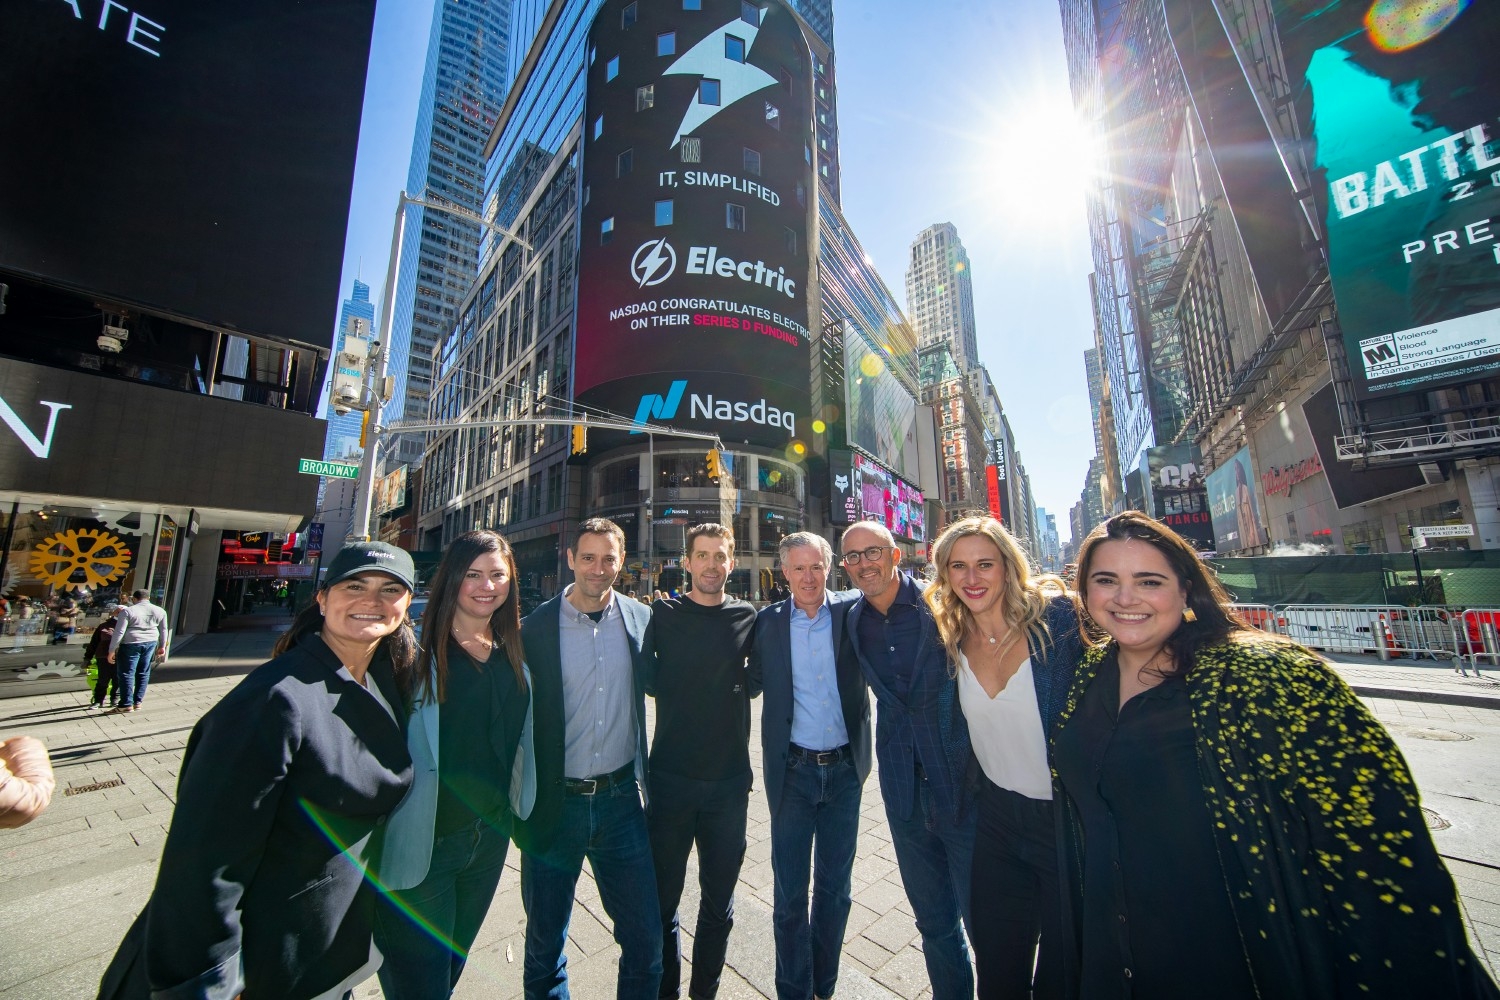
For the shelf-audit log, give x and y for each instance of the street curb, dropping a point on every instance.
(1454, 698)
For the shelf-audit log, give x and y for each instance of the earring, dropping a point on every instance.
(1189, 615)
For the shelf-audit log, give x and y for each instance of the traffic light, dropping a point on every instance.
(713, 463)
(580, 439)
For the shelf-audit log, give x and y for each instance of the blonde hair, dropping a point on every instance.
(1023, 603)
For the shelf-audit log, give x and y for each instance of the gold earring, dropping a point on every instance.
(1189, 615)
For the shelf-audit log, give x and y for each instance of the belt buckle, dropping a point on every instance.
(825, 757)
(593, 784)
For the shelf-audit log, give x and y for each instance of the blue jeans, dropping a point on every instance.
(425, 932)
(710, 815)
(817, 819)
(936, 856)
(133, 670)
(609, 829)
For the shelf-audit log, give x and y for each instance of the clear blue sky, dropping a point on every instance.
(959, 114)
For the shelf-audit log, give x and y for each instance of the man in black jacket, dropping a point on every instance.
(700, 758)
(590, 653)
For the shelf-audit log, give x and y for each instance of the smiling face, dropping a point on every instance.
(1132, 592)
(485, 586)
(976, 572)
(876, 577)
(595, 561)
(710, 561)
(363, 609)
(806, 574)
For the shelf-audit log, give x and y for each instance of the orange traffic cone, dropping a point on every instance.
(1388, 641)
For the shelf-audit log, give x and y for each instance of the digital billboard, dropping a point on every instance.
(698, 217)
(889, 499)
(1233, 506)
(1401, 103)
(191, 159)
(997, 479)
(844, 495)
(1176, 493)
(881, 417)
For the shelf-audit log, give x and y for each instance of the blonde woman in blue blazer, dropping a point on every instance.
(469, 736)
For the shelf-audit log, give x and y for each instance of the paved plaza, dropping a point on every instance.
(71, 882)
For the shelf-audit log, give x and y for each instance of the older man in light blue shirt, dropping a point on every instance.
(815, 736)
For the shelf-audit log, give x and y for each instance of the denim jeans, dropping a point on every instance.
(711, 815)
(1016, 898)
(936, 855)
(609, 829)
(425, 932)
(813, 832)
(133, 670)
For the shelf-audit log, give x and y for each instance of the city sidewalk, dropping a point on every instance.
(71, 882)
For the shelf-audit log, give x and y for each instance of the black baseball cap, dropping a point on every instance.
(372, 557)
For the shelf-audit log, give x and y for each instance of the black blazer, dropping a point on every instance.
(261, 887)
(771, 673)
(543, 645)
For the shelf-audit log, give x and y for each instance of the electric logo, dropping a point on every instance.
(653, 262)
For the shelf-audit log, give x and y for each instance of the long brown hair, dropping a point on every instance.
(1216, 622)
(437, 620)
(401, 645)
(1023, 602)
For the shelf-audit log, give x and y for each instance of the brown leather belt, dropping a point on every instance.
(821, 757)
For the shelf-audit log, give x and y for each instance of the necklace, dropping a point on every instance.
(998, 645)
(487, 643)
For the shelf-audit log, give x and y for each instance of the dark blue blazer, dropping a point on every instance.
(923, 725)
(771, 674)
(539, 636)
(262, 884)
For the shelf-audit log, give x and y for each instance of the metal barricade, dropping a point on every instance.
(1479, 633)
(1261, 616)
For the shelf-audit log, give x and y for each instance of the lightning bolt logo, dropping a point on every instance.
(653, 262)
(736, 79)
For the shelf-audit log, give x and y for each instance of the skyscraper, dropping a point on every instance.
(343, 431)
(940, 293)
(463, 89)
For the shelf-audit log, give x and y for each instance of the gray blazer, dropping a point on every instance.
(406, 851)
(771, 674)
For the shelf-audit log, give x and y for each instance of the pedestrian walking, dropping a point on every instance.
(97, 653)
(815, 755)
(140, 637)
(700, 756)
(64, 620)
(1238, 824)
(1015, 649)
(590, 652)
(262, 890)
(469, 736)
(922, 744)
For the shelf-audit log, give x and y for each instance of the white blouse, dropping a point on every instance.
(1006, 731)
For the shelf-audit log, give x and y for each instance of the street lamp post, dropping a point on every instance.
(373, 397)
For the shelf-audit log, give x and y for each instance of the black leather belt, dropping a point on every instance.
(821, 757)
(600, 782)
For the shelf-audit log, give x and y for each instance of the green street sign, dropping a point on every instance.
(334, 470)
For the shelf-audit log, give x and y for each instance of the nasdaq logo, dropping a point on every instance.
(656, 407)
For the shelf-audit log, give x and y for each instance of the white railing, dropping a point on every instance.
(1386, 630)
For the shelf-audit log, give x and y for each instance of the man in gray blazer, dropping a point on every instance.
(590, 652)
(815, 737)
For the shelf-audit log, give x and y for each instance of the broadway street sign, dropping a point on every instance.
(334, 470)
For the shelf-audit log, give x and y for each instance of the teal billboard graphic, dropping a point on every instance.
(1233, 505)
(1402, 100)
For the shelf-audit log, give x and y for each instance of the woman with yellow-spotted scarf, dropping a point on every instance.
(1236, 824)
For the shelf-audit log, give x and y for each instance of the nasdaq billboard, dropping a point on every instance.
(698, 218)
(1401, 101)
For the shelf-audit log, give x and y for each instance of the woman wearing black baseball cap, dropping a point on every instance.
(261, 889)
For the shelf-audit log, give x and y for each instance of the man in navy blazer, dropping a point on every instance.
(815, 738)
(590, 652)
(922, 743)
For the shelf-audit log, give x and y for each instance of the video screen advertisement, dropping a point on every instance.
(698, 221)
(190, 159)
(1177, 495)
(1233, 506)
(889, 499)
(996, 477)
(1402, 105)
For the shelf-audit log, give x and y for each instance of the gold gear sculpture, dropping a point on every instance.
(100, 555)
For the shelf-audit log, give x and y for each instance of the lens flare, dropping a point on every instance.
(1398, 25)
